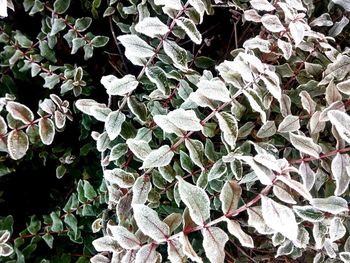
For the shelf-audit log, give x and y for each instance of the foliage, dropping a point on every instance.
(239, 153)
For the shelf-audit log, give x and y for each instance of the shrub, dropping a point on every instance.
(175, 142)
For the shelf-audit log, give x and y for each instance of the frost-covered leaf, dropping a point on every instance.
(308, 213)
(175, 251)
(120, 177)
(316, 125)
(235, 229)
(17, 144)
(147, 254)
(341, 121)
(149, 223)
(308, 175)
(281, 191)
(343, 3)
(339, 171)
(20, 112)
(214, 89)
(229, 127)
(264, 174)
(345, 256)
(256, 220)
(268, 129)
(305, 145)
(296, 186)
(188, 249)
(262, 5)
(86, 105)
(190, 28)
(196, 200)
(338, 26)
(218, 170)
(259, 43)
(152, 27)
(286, 47)
(140, 148)
(174, 4)
(252, 15)
(289, 124)
(343, 87)
(136, 46)
(297, 30)
(141, 189)
(176, 53)
(125, 238)
(158, 76)
(272, 23)
(332, 204)
(279, 217)
(186, 120)
(336, 229)
(113, 124)
(46, 130)
(256, 103)
(230, 196)
(166, 124)
(196, 150)
(307, 102)
(158, 158)
(106, 243)
(120, 87)
(214, 240)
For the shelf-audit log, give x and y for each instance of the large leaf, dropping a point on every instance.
(120, 87)
(196, 150)
(305, 145)
(17, 144)
(332, 204)
(279, 217)
(196, 200)
(120, 177)
(46, 130)
(289, 124)
(158, 158)
(272, 23)
(149, 223)
(176, 53)
(136, 46)
(186, 120)
(214, 240)
(341, 121)
(20, 112)
(188, 249)
(147, 254)
(152, 27)
(214, 89)
(140, 148)
(125, 238)
(229, 196)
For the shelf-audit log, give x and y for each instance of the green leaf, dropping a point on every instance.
(308, 213)
(34, 225)
(61, 6)
(57, 225)
(204, 62)
(19, 112)
(46, 130)
(17, 144)
(99, 41)
(72, 222)
(196, 150)
(149, 223)
(139, 109)
(158, 158)
(217, 171)
(196, 200)
(89, 191)
(83, 23)
(158, 76)
(48, 240)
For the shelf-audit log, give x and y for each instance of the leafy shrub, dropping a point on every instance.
(207, 151)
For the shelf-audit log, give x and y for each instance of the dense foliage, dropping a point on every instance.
(171, 131)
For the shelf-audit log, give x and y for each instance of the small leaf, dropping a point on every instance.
(166, 124)
(307, 102)
(332, 204)
(46, 130)
(147, 254)
(230, 196)
(272, 23)
(20, 112)
(218, 170)
(173, 221)
(176, 53)
(99, 41)
(86, 105)
(279, 217)
(339, 171)
(149, 223)
(120, 177)
(196, 200)
(17, 143)
(190, 28)
(268, 129)
(264, 174)
(174, 4)
(309, 213)
(305, 145)
(336, 229)
(175, 251)
(295, 185)
(235, 229)
(158, 158)
(152, 27)
(308, 175)
(106, 243)
(113, 124)
(229, 127)
(136, 46)
(289, 124)
(140, 148)
(341, 121)
(257, 221)
(83, 23)
(119, 87)
(125, 238)
(158, 76)
(61, 6)
(196, 150)
(214, 240)
(141, 189)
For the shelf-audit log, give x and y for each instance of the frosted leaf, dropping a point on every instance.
(176, 53)
(345, 256)
(336, 229)
(113, 124)
(136, 46)
(152, 27)
(166, 124)
(296, 186)
(120, 87)
(332, 204)
(272, 23)
(308, 175)
(158, 158)
(120, 177)
(289, 124)
(339, 172)
(305, 145)
(235, 229)
(214, 89)
(17, 144)
(267, 130)
(259, 43)
(20, 112)
(262, 5)
(214, 240)
(252, 15)
(190, 28)
(316, 125)
(230, 196)
(323, 20)
(147, 254)
(297, 30)
(174, 4)
(86, 105)
(344, 87)
(255, 103)
(338, 27)
(175, 251)
(309, 213)
(141, 189)
(264, 174)
(125, 238)
(46, 130)
(281, 192)
(188, 249)
(149, 223)
(336, 106)
(218, 170)
(307, 102)
(158, 76)
(279, 217)
(268, 160)
(106, 243)
(196, 200)
(140, 148)
(186, 120)
(286, 47)
(229, 127)
(341, 121)
(256, 220)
